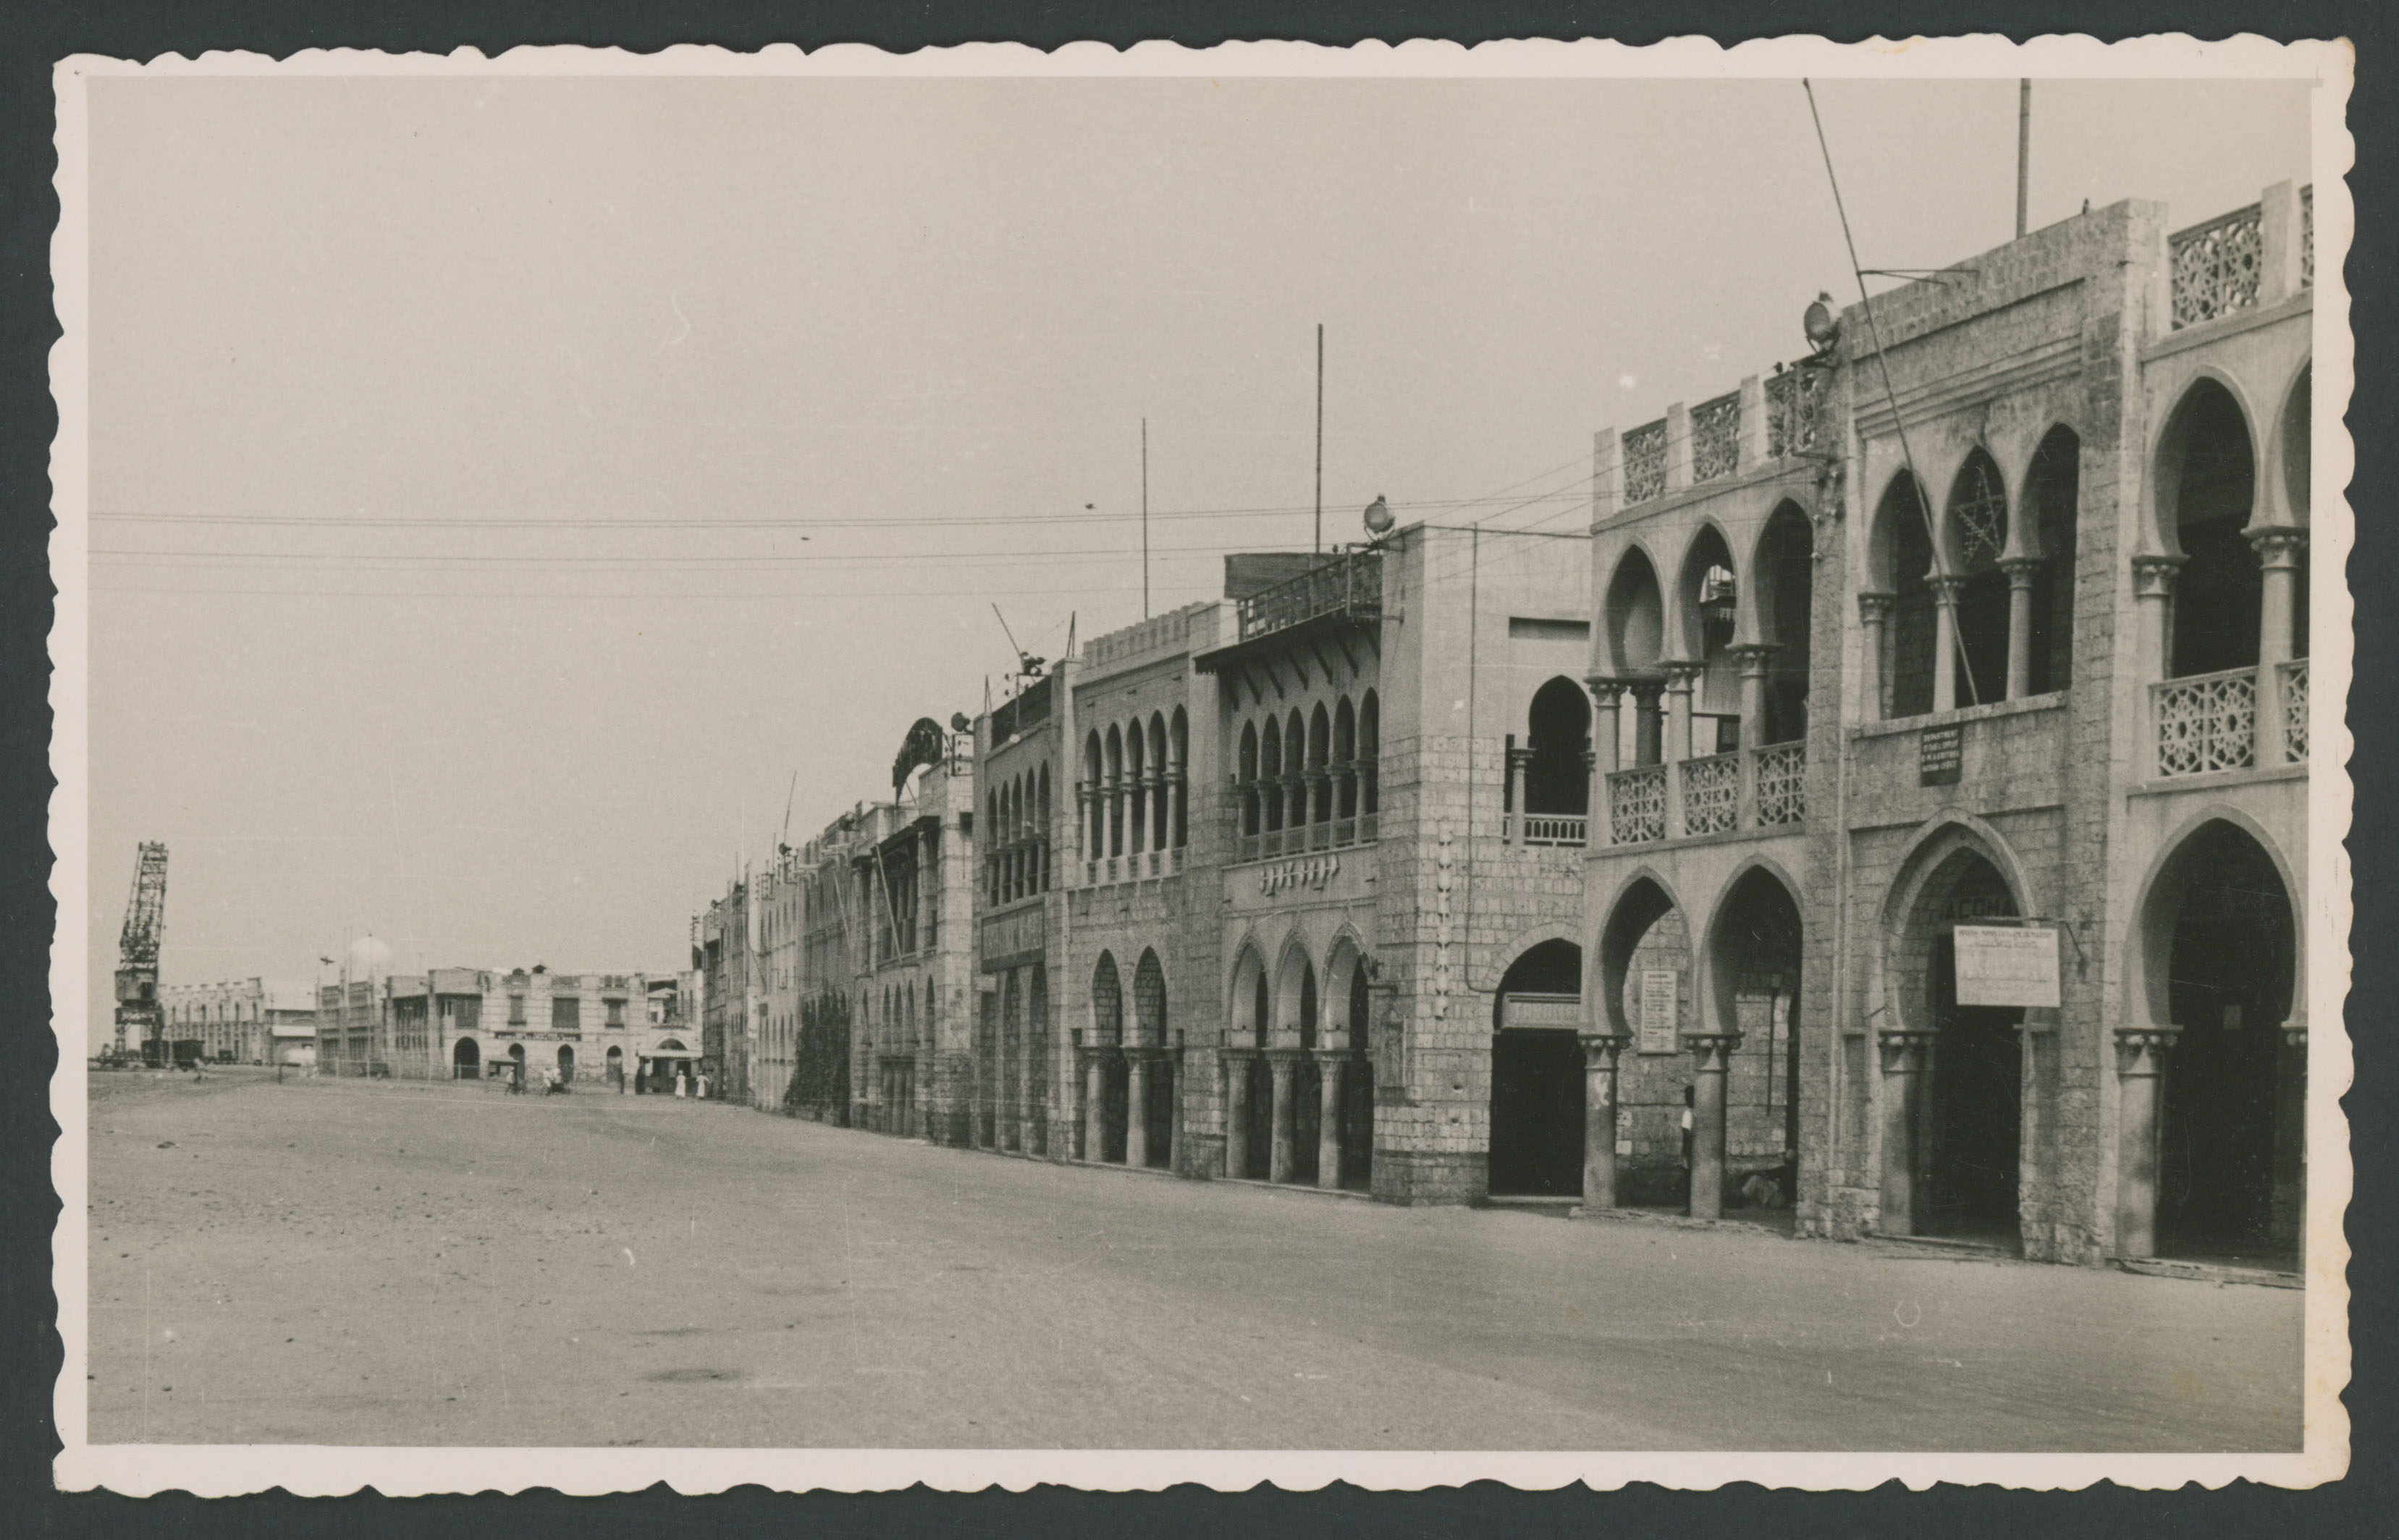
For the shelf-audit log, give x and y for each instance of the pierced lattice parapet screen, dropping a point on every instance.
(2207, 723)
(1712, 794)
(2294, 707)
(1782, 784)
(1636, 805)
(1645, 462)
(1715, 437)
(2216, 265)
(1794, 399)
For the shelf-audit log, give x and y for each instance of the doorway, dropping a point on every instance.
(1536, 1076)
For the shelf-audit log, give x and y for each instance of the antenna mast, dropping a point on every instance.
(1319, 437)
(1145, 518)
(2023, 151)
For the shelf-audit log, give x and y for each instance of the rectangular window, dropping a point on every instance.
(566, 1014)
(516, 1010)
(616, 1013)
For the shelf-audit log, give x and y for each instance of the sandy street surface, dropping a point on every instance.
(346, 1262)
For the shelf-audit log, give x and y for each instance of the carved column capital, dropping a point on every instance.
(2142, 1050)
(1904, 1049)
(2278, 548)
(1711, 1051)
(1682, 676)
(1874, 608)
(1600, 1051)
(2153, 577)
(2295, 1034)
(2021, 569)
(1948, 589)
(1753, 656)
(1605, 690)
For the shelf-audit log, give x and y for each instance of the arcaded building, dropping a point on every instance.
(1949, 848)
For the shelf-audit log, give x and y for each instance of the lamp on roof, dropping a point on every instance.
(1823, 326)
(1378, 517)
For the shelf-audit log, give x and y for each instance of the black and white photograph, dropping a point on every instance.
(1403, 765)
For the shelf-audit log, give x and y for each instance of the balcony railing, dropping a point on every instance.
(1781, 784)
(1552, 828)
(1795, 399)
(1715, 437)
(2294, 707)
(2208, 721)
(2216, 265)
(1636, 805)
(1645, 462)
(1712, 794)
(1350, 585)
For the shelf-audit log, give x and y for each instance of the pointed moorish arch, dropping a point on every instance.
(1296, 996)
(2144, 979)
(1246, 1023)
(1712, 992)
(1644, 898)
(1936, 841)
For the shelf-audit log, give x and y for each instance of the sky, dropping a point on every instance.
(511, 495)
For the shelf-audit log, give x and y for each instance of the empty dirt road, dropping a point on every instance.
(349, 1263)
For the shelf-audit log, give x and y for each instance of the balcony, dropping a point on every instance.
(1349, 586)
(1760, 790)
(2240, 719)
(2223, 265)
(1553, 828)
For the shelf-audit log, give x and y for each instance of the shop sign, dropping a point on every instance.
(2007, 966)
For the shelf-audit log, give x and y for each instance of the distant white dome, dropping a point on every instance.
(369, 958)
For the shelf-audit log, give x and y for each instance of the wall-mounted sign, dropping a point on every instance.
(1009, 940)
(1659, 994)
(1940, 755)
(1541, 1011)
(2007, 966)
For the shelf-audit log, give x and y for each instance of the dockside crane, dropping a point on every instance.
(139, 1014)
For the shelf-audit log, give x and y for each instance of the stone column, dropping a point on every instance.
(1599, 1056)
(2289, 1210)
(1680, 677)
(1712, 1052)
(1905, 1054)
(1594, 800)
(1171, 1067)
(1945, 592)
(2140, 1061)
(2153, 585)
(1179, 815)
(1085, 848)
(1607, 697)
(926, 848)
(1137, 1105)
(1236, 1111)
(1095, 1089)
(2279, 554)
(1282, 1063)
(1648, 731)
(1873, 618)
(1330, 1062)
(2021, 569)
(1519, 760)
(1751, 656)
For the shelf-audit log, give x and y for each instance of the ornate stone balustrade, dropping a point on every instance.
(2208, 721)
(1645, 462)
(1554, 828)
(1781, 784)
(1715, 437)
(2216, 265)
(1712, 794)
(1636, 803)
(1794, 399)
(2295, 709)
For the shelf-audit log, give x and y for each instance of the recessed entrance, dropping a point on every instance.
(465, 1060)
(2222, 1193)
(1536, 1090)
(1976, 1108)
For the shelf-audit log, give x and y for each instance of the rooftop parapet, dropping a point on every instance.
(1348, 585)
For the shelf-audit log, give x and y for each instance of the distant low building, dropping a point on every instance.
(476, 1023)
(244, 1021)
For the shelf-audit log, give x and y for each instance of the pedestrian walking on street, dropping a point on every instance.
(702, 1091)
(680, 1081)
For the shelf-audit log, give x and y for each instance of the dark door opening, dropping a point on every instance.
(1976, 1114)
(2230, 987)
(1537, 1113)
(1259, 1147)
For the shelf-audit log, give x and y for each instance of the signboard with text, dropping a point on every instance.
(2007, 966)
(1659, 996)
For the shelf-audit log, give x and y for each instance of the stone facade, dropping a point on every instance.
(1889, 813)
(244, 1021)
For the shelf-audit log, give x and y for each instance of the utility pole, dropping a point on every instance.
(1319, 437)
(1145, 518)
(2023, 151)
